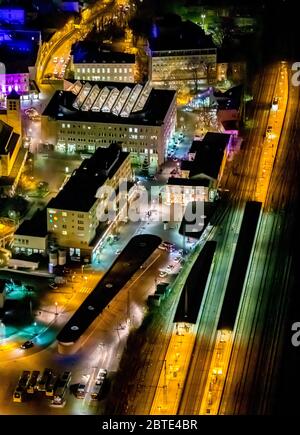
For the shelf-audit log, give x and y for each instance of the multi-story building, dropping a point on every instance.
(12, 154)
(18, 54)
(74, 215)
(181, 56)
(32, 237)
(90, 62)
(92, 115)
(201, 174)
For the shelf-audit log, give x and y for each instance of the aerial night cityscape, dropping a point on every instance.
(149, 200)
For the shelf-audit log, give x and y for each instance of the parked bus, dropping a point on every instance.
(20, 390)
(24, 378)
(51, 385)
(18, 394)
(100, 379)
(32, 383)
(42, 382)
(61, 388)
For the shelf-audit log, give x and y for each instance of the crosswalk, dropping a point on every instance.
(84, 290)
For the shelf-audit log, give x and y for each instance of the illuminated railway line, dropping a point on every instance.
(225, 330)
(177, 358)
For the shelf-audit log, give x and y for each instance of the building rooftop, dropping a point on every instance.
(135, 253)
(111, 103)
(174, 34)
(91, 52)
(19, 49)
(229, 100)
(79, 193)
(34, 227)
(209, 155)
(172, 181)
(8, 139)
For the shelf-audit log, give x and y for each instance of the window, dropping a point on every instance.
(80, 222)
(80, 228)
(64, 232)
(64, 226)
(64, 214)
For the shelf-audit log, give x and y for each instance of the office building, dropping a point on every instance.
(90, 62)
(181, 56)
(91, 115)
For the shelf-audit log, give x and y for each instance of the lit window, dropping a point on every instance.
(64, 232)
(115, 70)
(64, 213)
(63, 125)
(108, 70)
(83, 70)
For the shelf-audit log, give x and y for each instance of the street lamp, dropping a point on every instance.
(203, 16)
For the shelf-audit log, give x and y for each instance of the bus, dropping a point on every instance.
(51, 385)
(61, 388)
(18, 395)
(33, 381)
(96, 391)
(20, 390)
(23, 380)
(100, 379)
(42, 382)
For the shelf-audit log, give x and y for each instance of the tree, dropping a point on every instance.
(145, 166)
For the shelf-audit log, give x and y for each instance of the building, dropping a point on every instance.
(32, 236)
(12, 154)
(202, 172)
(18, 54)
(91, 115)
(181, 55)
(2, 296)
(90, 62)
(73, 219)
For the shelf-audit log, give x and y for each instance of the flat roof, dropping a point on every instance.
(34, 227)
(230, 99)
(80, 190)
(135, 253)
(5, 134)
(209, 154)
(193, 289)
(184, 35)
(139, 105)
(188, 182)
(91, 52)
